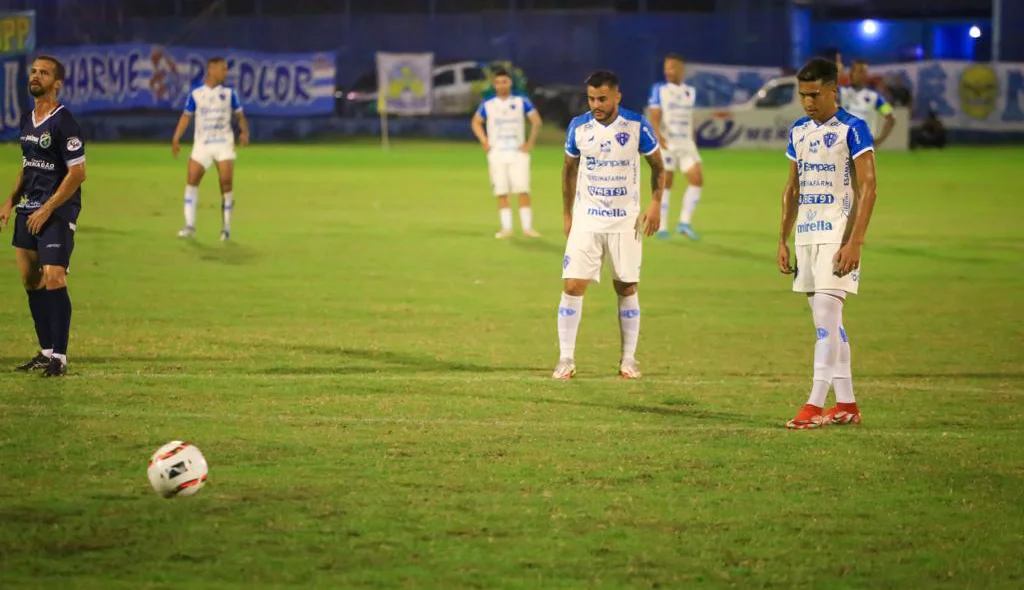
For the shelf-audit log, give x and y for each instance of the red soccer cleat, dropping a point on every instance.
(807, 418)
(841, 415)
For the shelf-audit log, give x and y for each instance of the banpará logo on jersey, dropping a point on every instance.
(594, 211)
(817, 199)
(45, 140)
(74, 144)
(622, 137)
(601, 191)
(594, 163)
(831, 139)
(817, 167)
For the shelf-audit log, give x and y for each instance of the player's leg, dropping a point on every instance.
(501, 186)
(845, 410)
(31, 272)
(625, 252)
(691, 197)
(810, 414)
(226, 173)
(580, 266)
(520, 183)
(666, 197)
(197, 165)
(56, 243)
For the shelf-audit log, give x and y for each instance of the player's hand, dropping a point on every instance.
(5, 215)
(525, 148)
(847, 259)
(651, 219)
(567, 224)
(37, 220)
(175, 148)
(783, 259)
(486, 145)
(243, 138)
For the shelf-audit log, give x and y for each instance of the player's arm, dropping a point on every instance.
(655, 114)
(183, 123)
(790, 206)
(570, 174)
(477, 124)
(888, 122)
(535, 126)
(862, 151)
(651, 150)
(243, 122)
(69, 138)
(8, 205)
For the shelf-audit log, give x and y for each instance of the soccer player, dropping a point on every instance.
(508, 150)
(829, 197)
(213, 105)
(601, 200)
(47, 199)
(671, 107)
(866, 103)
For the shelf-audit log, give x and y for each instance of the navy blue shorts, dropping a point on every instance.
(54, 242)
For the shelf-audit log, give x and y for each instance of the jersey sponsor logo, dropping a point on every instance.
(45, 140)
(74, 144)
(817, 199)
(593, 163)
(622, 138)
(831, 139)
(817, 167)
(846, 173)
(856, 135)
(606, 147)
(601, 191)
(594, 211)
(814, 226)
(30, 138)
(817, 182)
(602, 178)
(813, 147)
(37, 163)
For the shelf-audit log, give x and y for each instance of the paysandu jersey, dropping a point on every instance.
(213, 108)
(608, 184)
(824, 155)
(676, 102)
(48, 148)
(864, 103)
(506, 122)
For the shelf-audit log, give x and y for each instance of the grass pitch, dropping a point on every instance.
(367, 372)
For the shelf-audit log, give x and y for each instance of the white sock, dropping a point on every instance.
(227, 204)
(47, 352)
(191, 203)
(826, 310)
(690, 199)
(62, 357)
(570, 312)
(666, 202)
(505, 215)
(629, 324)
(526, 217)
(843, 379)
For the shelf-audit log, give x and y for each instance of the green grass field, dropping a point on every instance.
(367, 372)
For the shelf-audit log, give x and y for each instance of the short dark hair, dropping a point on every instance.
(675, 57)
(817, 69)
(603, 78)
(501, 72)
(58, 68)
(216, 59)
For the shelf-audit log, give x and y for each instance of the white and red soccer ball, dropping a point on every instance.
(177, 469)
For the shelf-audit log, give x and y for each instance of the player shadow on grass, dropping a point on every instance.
(230, 253)
(382, 361)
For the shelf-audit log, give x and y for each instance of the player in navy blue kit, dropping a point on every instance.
(47, 198)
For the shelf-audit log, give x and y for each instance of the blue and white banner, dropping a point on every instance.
(969, 96)
(141, 76)
(721, 86)
(13, 96)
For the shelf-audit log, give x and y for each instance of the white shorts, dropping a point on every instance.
(681, 160)
(207, 154)
(585, 251)
(814, 270)
(510, 173)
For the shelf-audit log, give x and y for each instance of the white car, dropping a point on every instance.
(456, 90)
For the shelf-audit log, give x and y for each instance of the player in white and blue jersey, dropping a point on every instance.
(508, 149)
(866, 103)
(671, 105)
(213, 106)
(828, 200)
(601, 198)
(47, 199)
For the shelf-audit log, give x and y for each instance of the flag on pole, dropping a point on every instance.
(405, 82)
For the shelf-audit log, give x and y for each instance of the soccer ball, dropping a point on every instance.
(177, 469)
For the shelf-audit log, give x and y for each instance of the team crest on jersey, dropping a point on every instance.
(44, 140)
(622, 138)
(831, 139)
(223, 96)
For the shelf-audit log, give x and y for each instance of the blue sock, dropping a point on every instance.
(59, 306)
(37, 303)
